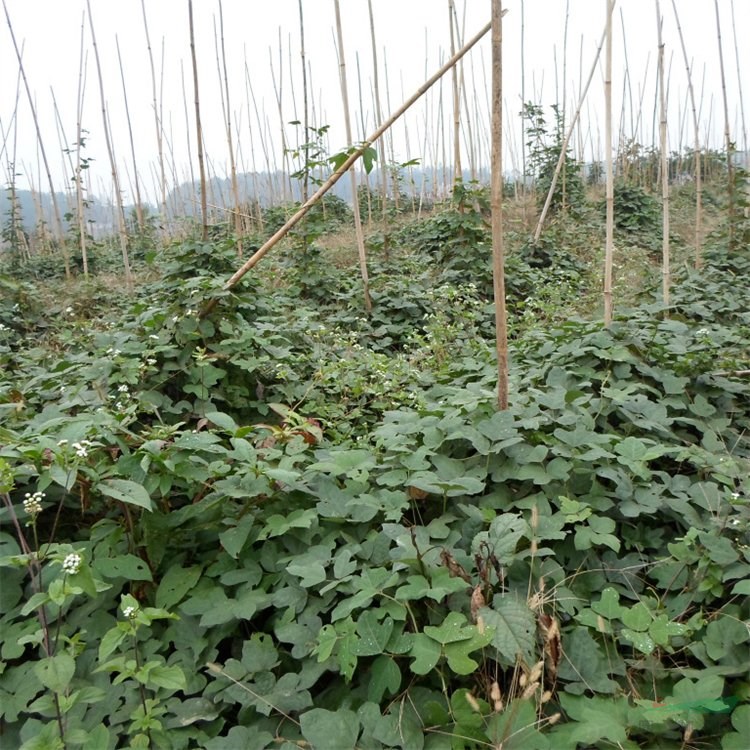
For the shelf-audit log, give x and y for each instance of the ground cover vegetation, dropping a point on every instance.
(287, 524)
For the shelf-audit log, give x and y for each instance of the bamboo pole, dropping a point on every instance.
(498, 253)
(236, 214)
(664, 162)
(457, 173)
(157, 119)
(53, 197)
(739, 86)
(378, 113)
(568, 134)
(361, 251)
(727, 136)
(342, 169)
(305, 107)
(122, 232)
(136, 181)
(80, 204)
(198, 128)
(609, 248)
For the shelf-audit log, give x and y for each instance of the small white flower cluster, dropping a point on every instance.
(68, 310)
(3, 328)
(129, 612)
(702, 332)
(72, 563)
(113, 352)
(82, 448)
(32, 503)
(121, 397)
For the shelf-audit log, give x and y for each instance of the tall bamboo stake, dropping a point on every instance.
(122, 231)
(305, 106)
(739, 86)
(378, 112)
(342, 169)
(198, 128)
(53, 197)
(727, 136)
(352, 174)
(82, 238)
(457, 174)
(608, 253)
(157, 121)
(236, 214)
(187, 135)
(136, 181)
(664, 162)
(498, 254)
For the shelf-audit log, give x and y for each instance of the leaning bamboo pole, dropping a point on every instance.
(342, 169)
(53, 197)
(664, 162)
(198, 128)
(609, 247)
(361, 251)
(727, 137)
(121, 229)
(498, 253)
(568, 134)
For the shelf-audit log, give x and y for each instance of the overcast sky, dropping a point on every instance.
(412, 36)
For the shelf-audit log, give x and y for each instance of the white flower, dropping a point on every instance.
(735, 496)
(734, 522)
(175, 318)
(122, 388)
(129, 612)
(69, 310)
(81, 448)
(153, 337)
(72, 563)
(61, 443)
(702, 332)
(4, 327)
(32, 504)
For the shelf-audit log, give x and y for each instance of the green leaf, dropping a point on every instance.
(737, 740)
(222, 420)
(111, 640)
(175, 583)
(513, 627)
(742, 587)
(608, 605)
(373, 634)
(126, 491)
(55, 672)
(457, 653)
(234, 538)
(637, 617)
(123, 566)
(330, 729)
(385, 678)
(642, 641)
(171, 678)
(425, 653)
